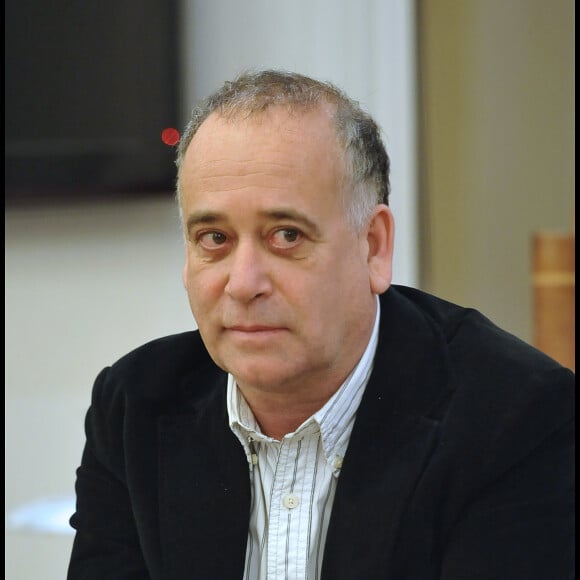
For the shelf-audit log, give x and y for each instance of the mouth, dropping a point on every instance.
(254, 332)
(253, 328)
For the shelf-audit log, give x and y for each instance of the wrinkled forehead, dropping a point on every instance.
(298, 142)
(259, 113)
(276, 151)
(296, 131)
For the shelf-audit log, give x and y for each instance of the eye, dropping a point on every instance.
(286, 238)
(212, 240)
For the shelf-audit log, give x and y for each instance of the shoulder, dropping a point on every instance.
(492, 374)
(500, 389)
(473, 339)
(504, 402)
(160, 372)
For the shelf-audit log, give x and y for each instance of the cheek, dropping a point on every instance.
(344, 273)
(315, 301)
(343, 293)
(203, 286)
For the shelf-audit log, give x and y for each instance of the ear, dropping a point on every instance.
(380, 239)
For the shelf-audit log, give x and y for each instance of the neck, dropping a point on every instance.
(278, 414)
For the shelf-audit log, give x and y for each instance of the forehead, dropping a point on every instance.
(290, 133)
(278, 151)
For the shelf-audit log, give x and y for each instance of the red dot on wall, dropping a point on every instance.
(170, 136)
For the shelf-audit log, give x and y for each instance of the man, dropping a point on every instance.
(322, 423)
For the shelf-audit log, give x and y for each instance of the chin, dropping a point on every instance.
(267, 368)
(260, 379)
(267, 377)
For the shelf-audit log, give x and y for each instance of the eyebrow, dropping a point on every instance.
(282, 214)
(279, 214)
(203, 217)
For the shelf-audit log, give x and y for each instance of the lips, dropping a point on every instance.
(253, 328)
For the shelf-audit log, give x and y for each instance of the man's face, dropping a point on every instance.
(277, 281)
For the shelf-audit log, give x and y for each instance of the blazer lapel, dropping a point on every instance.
(394, 435)
(204, 491)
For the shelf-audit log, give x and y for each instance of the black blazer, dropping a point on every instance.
(460, 463)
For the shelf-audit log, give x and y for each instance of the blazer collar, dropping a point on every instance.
(395, 432)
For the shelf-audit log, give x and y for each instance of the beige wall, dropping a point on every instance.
(497, 137)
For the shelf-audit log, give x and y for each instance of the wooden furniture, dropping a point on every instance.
(554, 295)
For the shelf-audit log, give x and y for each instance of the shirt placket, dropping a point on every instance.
(287, 557)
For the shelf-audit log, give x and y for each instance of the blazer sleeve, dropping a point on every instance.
(106, 543)
(521, 525)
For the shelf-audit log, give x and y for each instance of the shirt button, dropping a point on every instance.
(290, 501)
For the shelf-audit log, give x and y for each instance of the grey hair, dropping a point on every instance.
(367, 162)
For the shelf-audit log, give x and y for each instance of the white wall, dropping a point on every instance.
(87, 281)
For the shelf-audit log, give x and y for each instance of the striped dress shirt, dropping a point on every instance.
(293, 481)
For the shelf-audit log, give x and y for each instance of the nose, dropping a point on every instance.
(248, 275)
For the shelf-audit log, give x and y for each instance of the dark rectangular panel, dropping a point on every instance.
(89, 87)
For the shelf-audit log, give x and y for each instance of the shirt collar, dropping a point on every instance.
(334, 420)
